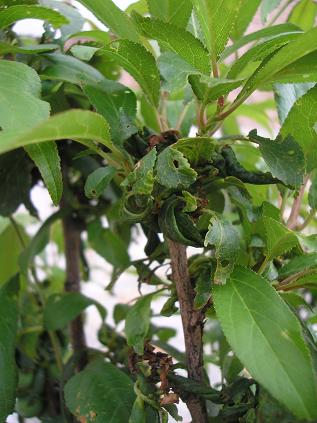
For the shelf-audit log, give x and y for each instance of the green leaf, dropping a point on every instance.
(60, 309)
(47, 159)
(196, 150)
(265, 33)
(98, 181)
(8, 331)
(113, 17)
(279, 239)
(266, 336)
(114, 102)
(299, 264)
(16, 13)
(176, 12)
(139, 6)
(6, 48)
(296, 49)
(284, 157)
(245, 15)
(217, 19)
(84, 53)
(286, 95)
(173, 169)
(138, 414)
(303, 14)
(174, 39)
(174, 71)
(140, 63)
(299, 124)
(100, 393)
(79, 125)
(137, 323)
(267, 7)
(208, 89)
(312, 193)
(225, 239)
(108, 244)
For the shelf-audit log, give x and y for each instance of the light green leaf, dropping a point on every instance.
(286, 95)
(79, 125)
(108, 244)
(174, 39)
(303, 14)
(6, 48)
(117, 104)
(8, 331)
(16, 13)
(60, 309)
(137, 323)
(299, 124)
(140, 63)
(245, 15)
(279, 239)
(174, 70)
(176, 12)
(197, 150)
(138, 414)
(209, 89)
(296, 49)
(265, 33)
(139, 6)
(267, 7)
(284, 157)
(47, 159)
(84, 53)
(113, 17)
(191, 202)
(98, 181)
(93, 35)
(100, 393)
(266, 336)
(173, 169)
(312, 194)
(225, 239)
(141, 180)
(217, 19)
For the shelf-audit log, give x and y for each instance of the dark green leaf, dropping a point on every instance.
(98, 181)
(174, 39)
(267, 338)
(100, 393)
(15, 13)
(6, 48)
(60, 309)
(299, 264)
(224, 237)
(137, 323)
(312, 194)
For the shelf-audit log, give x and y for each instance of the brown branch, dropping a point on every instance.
(192, 321)
(293, 217)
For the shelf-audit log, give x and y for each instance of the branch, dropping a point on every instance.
(293, 217)
(192, 321)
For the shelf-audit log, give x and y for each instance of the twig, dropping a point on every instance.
(306, 222)
(293, 217)
(192, 321)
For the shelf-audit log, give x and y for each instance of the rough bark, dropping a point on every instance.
(192, 321)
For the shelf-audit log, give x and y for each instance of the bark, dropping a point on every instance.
(192, 321)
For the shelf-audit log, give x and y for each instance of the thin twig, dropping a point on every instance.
(293, 217)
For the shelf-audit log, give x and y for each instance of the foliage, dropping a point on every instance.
(167, 158)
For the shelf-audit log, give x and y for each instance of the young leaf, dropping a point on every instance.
(299, 124)
(176, 12)
(79, 125)
(174, 39)
(267, 337)
(15, 13)
(98, 181)
(60, 309)
(141, 180)
(304, 14)
(173, 169)
(113, 17)
(225, 239)
(100, 393)
(217, 19)
(279, 239)
(140, 63)
(284, 157)
(137, 323)
(8, 330)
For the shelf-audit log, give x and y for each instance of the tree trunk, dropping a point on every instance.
(192, 321)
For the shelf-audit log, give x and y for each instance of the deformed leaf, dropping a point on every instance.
(197, 150)
(225, 239)
(173, 169)
(8, 331)
(98, 181)
(284, 156)
(15, 13)
(279, 239)
(174, 39)
(267, 338)
(137, 323)
(100, 393)
(141, 180)
(140, 63)
(60, 309)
